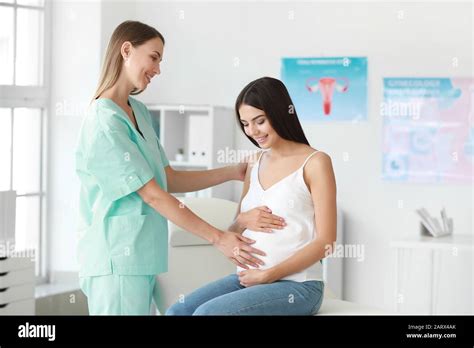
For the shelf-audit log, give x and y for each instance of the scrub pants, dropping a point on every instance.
(118, 294)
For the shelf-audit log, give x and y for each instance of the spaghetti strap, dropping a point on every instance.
(254, 172)
(259, 157)
(307, 158)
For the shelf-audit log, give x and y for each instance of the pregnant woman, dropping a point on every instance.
(295, 182)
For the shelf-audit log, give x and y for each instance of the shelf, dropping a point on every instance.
(198, 132)
(464, 241)
(50, 289)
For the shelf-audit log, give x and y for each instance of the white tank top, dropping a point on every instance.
(290, 199)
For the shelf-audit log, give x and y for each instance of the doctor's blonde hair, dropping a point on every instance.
(136, 33)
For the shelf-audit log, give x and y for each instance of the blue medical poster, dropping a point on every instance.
(327, 89)
(428, 135)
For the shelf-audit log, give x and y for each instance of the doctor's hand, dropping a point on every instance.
(260, 219)
(237, 248)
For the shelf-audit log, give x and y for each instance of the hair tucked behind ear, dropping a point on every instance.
(271, 96)
(137, 33)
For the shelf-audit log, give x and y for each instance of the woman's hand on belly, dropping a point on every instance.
(260, 219)
(252, 277)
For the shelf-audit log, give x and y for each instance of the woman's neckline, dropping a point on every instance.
(282, 179)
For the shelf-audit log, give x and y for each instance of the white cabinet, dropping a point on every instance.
(201, 133)
(17, 284)
(433, 275)
(17, 267)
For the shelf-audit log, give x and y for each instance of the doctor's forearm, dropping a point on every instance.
(180, 215)
(173, 210)
(189, 181)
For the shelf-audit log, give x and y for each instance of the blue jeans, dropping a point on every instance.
(227, 296)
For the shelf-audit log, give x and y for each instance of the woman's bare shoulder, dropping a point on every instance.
(319, 164)
(320, 158)
(319, 171)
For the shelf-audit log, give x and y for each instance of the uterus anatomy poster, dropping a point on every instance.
(327, 89)
(428, 134)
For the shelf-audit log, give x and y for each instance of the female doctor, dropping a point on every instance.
(125, 176)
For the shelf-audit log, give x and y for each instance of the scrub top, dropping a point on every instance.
(119, 233)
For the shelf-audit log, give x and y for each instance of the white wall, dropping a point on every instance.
(78, 45)
(203, 41)
(76, 38)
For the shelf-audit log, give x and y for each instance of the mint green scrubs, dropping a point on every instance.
(123, 242)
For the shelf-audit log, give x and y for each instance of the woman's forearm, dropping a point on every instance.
(304, 258)
(189, 181)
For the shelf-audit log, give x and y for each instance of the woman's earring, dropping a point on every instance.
(127, 62)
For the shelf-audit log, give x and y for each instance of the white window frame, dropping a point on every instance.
(12, 96)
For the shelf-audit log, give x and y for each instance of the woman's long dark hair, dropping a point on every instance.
(271, 96)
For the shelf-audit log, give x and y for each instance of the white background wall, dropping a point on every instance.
(76, 38)
(203, 43)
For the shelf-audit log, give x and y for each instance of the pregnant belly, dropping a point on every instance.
(278, 246)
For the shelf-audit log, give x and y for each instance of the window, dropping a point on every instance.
(24, 97)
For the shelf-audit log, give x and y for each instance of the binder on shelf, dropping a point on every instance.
(430, 226)
(199, 139)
